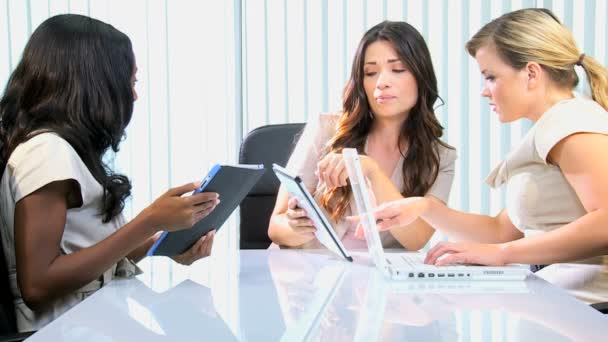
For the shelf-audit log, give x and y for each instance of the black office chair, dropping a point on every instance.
(8, 324)
(264, 145)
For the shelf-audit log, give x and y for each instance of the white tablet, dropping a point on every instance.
(324, 233)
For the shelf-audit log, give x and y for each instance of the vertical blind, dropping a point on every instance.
(297, 57)
(210, 72)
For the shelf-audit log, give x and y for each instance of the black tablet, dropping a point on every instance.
(325, 233)
(232, 183)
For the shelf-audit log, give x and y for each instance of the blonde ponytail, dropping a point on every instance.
(536, 35)
(597, 75)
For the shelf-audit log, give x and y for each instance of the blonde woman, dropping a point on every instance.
(556, 177)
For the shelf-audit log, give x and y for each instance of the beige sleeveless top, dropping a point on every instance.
(539, 197)
(41, 160)
(307, 153)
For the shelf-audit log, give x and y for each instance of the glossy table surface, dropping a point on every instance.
(270, 295)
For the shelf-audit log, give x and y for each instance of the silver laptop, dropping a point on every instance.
(410, 265)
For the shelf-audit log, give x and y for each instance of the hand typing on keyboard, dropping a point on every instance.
(446, 253)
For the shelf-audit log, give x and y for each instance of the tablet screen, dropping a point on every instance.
(324, 233)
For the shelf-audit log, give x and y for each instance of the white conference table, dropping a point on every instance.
(288, 295)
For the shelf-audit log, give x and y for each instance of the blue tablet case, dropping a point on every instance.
(232, 183)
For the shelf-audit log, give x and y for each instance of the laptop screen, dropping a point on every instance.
(364, 206)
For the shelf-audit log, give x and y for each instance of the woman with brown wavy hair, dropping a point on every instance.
(388, 116)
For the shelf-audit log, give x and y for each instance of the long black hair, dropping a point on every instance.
(421, 129)
(74, 79)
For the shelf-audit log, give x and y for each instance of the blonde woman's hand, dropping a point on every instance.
(298, 219)
(171, 211)
(395, 214)
(331, 170)
(200, 249)
(446, 253)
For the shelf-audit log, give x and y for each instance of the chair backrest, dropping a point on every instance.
(8, 323)
(264, 145)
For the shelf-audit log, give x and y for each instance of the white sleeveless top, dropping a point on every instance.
(307, 153)
(43, 159)
(539, 197)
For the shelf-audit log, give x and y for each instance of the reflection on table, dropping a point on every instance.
(289, 295)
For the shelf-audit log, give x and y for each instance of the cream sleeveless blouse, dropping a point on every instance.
(41, 160)
(539, 197)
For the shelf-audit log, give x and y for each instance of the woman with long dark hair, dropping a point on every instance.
(388, 116)
(66, 104)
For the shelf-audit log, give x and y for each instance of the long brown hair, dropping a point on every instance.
(535, 34)
(421, 129)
